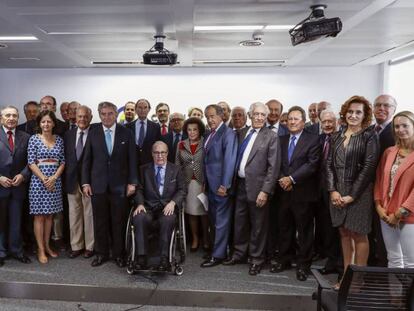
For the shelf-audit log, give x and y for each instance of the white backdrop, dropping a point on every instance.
(400, 84)
(182, 88)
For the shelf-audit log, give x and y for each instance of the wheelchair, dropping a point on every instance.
(177, 245)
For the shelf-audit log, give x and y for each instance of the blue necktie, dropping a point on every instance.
(79, 146)
(291, 147)
(158, 177)
(141, 134)
(108, 140)
(243, 147)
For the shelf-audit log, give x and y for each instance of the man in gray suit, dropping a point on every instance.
(14, 175)
(257, 165)
(161, 188)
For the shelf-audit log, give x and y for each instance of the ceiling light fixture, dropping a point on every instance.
(3, 46)
(18, 38)
(278, 27)
(227, 28)
(24, 58)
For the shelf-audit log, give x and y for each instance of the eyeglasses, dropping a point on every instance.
(176, 120)
(159, 153)
(384, 105)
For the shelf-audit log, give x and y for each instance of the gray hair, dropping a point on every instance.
(257, 105)
(107, 105)
(239, 108)
(159, 142)
(327, 111)
(9, 107)
(86, 108)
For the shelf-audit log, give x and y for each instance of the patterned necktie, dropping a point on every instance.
(326, 146)
(79, 146)
(378, 128)
(243, 147)
(176, 141)
(291, 147)
(10, 138)
(141, 134)
(163, 129)
(158, 177)
(108, 140)
(210, 139)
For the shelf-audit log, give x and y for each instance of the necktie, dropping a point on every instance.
(378, 128)
(176, 141)
(271, 127)
(326, 146)
(291, 147)
(158, 177)
(10, 138)
(210, 139)
(108, 140)
(243, 147)
(141, 134)
(79, 146)
(163, 129)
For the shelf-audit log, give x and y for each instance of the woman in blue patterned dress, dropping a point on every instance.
(47, 161)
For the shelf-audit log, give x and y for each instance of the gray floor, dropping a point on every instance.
(231, 279)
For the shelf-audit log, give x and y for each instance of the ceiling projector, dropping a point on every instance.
(315, 26)
(158, 55)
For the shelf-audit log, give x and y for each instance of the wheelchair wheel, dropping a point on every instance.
(179, 270)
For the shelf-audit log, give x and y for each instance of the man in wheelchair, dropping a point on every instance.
(161, 188)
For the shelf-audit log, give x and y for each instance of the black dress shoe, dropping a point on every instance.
(279, 267)
(301, 275)
(99, 260)
(120, 262)
(22, 258)
(87, 254)
(141, 263)
(255, 269)
(1, 261)
(211, 263)
(163, 266)
(231, 261)
(74, 254)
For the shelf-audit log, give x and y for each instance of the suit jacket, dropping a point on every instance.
(303, 166)
(152, 134)
(220, 158)
(263, 163)
(169, 140)
(403, 193)
(191, 164)
(282, 130)
(109, 172)
(13, 163)
(386, 138)
(31, 127)
(28, 127)
(148, 194)
(312, 128)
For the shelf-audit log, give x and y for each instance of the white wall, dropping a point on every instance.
(400, 85)
(182, 88)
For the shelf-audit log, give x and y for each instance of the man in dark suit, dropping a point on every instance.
(144, 131)
(31, 111)
(162, 110)
(384, 109)
(80, 206)
(175, 135)
(109, 176)
(161, 189)
(49, 103)
(327, 242)
(258, 162)
(273, 119)
(14, 175)
(298, 188)
(238, 118)
(219, 163)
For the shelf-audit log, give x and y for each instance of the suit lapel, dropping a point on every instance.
(256, 145)
(3, 138)
(167, 178)
(216, 137)
(17, 141)
(299, 145)
(151, 175)
(102, 138)
(117, 140)
(409, 161)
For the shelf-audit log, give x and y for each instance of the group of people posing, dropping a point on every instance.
(278, 190)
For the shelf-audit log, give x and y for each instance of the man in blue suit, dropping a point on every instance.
(14, 175)
(219, 163)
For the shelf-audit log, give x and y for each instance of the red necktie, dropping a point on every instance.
(11, 143)
(378, 128)
(163, 129)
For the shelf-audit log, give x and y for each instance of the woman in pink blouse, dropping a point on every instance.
(394, 193)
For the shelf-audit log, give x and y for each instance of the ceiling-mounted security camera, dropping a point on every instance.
(257, 40)
(158, 55)
(315, 26)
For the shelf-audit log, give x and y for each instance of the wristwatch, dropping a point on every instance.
(404, 212)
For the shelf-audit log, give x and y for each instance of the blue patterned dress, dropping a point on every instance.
(42, 201)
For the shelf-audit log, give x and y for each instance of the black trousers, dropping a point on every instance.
(295, 216)
(144, 221)
(251, 226)
(109, 221)
(10, 226)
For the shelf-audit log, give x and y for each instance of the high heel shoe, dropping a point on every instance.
(51, 253)
(41, 256)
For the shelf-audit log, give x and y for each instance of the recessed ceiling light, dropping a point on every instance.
(18, 38)
(24, 58)
(278, 27)
(228, 28)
